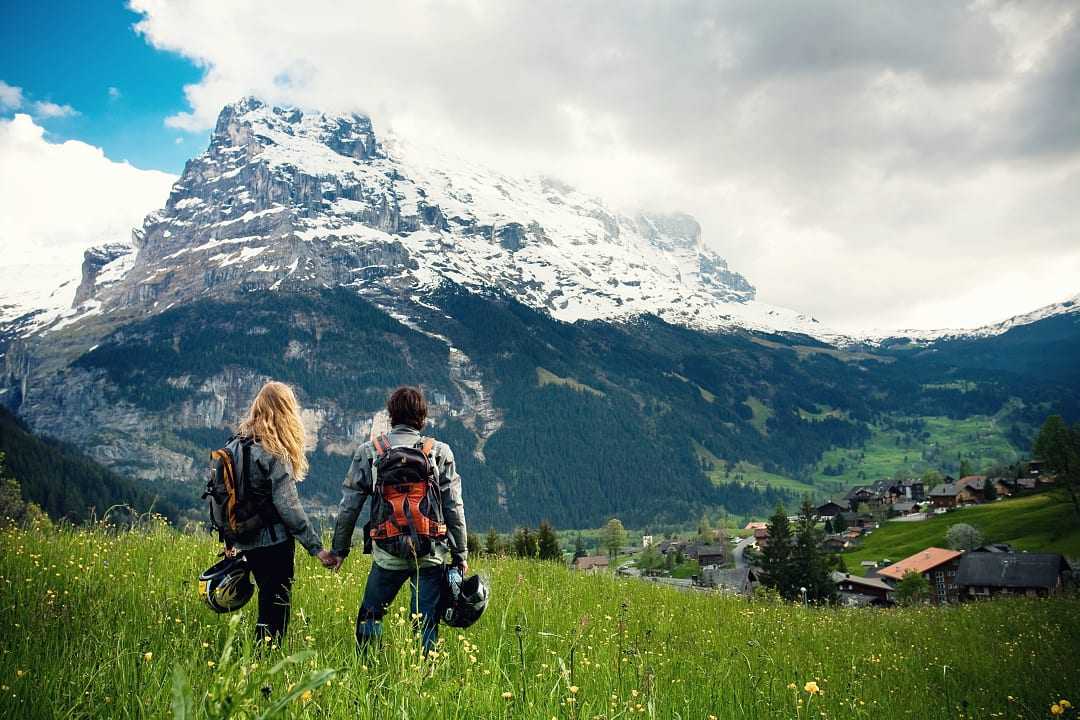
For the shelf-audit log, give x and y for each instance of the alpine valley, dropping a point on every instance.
(583, 363)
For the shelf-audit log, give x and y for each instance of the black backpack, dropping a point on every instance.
(406, 512)
(240, 505)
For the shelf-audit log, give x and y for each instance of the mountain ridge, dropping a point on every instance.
(549, 332)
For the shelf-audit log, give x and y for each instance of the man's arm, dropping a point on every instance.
(355, 491)
(453, 507)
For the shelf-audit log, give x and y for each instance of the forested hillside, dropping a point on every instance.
(649, 421)
(66, 483)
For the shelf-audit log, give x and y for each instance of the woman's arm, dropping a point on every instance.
(287, 503)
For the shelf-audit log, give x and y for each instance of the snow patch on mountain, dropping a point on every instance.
(284, 199)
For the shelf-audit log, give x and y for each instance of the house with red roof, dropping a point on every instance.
(937, 565)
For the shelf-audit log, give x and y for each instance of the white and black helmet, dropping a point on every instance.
(467, 602)
(226, 586)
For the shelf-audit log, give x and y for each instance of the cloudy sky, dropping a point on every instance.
(902, 164)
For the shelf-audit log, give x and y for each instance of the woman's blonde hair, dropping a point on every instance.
(274, 421)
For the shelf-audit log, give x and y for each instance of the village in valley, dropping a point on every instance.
(969, 565)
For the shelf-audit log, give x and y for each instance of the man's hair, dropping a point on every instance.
(407, 406)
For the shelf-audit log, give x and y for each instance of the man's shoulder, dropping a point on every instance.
(441, 450)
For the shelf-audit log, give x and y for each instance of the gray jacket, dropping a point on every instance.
(294, 521)
(357, 489)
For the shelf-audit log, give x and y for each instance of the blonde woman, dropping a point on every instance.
(272, 438)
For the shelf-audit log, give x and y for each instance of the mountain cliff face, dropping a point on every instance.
(305, 247)
(284, 200)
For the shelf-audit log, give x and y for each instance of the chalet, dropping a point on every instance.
(953, 494)
(707, 555)
(761, 537)
(592, 563)
(906, 507)
(835, 543)
(976, 485)
(829, 510)
(989, 574)
(937, 565)
(738, 581)
(862, 495)
(1027, 483)
(911, 491)
(666, 546)
(855, 590)
(756, 526)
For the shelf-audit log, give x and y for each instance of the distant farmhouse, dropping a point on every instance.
(736, 581)
(592, 563)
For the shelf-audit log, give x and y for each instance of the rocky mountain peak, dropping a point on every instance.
(285, 198)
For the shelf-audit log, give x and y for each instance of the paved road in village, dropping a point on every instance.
(740, 560)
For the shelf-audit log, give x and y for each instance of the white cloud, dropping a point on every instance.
(46, 109)
(114, 93)
(11, 97)
(873, 164)
(57, 200)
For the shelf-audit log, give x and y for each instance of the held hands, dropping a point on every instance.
(329, 560)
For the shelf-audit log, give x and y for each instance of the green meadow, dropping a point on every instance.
(106, 623)
(1038, 523)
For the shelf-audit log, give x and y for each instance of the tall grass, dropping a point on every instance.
(100, 623)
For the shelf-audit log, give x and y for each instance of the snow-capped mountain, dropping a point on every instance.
(284, 199)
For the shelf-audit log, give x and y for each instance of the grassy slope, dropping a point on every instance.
(750, 474)
(1038, 522)
(95, 623)
(980, 439)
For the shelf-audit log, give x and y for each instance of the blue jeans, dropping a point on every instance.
(426, 597)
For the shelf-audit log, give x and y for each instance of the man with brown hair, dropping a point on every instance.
(417, 523)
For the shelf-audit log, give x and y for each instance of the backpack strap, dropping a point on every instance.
(382, 445)
(428, 444)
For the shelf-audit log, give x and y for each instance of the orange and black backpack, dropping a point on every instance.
(406, 512)
(240, 504)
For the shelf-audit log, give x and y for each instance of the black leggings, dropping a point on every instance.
(273, 568)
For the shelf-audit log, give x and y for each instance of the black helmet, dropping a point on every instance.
(467, 601)
(226, 586)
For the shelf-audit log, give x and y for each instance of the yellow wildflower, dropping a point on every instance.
(573, 689)
(148, 656)
(508, 695)
(1065, 704)
(305, 697)
(1056, 709)
(812, 688)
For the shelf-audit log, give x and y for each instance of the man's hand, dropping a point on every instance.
(464, 566)
(329, 560)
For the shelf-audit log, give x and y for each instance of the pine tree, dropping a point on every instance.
(525, 543)
(547, 543)
(989, 490)
(776, 560)
(491, 542)
(579, 547)
(811, 566)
